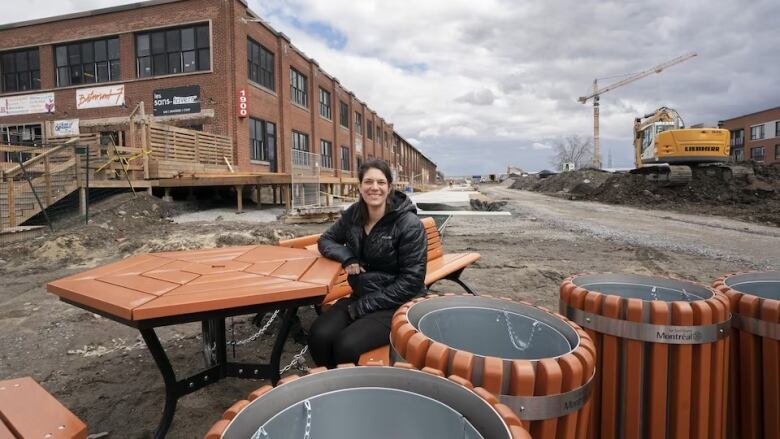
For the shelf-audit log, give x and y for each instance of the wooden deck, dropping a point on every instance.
(156, 156)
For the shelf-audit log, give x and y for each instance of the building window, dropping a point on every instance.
(326, 152)
(21, 70)
(170, 51)
(344, 158)
(262, 140)
(358, 123)
(757, 154)
(298, 88)
(378, 135)
(757, 132)
(300, 148)
(325, 104)
(358, 161)
(261, 65)
(777, 129)
(737, 138)
(87, 62)
(343, 114)
(777, 152)
(369, 129)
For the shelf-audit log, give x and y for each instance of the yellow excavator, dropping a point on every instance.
(668, 153)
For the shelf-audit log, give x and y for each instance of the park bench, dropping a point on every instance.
(27, 410)
(447, 266)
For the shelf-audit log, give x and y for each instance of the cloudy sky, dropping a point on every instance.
(479, 85)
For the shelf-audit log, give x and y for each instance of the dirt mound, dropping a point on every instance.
(583, 181)
(756, 199)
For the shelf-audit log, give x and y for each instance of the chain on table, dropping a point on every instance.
(298, 361)
(254, 336)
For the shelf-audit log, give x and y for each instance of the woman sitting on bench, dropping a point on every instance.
(383, 247)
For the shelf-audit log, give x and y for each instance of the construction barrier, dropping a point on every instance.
(534, 361)
(754, 374)
(368, 402)
(662, 354)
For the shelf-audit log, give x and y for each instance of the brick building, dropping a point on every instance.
(208, 65)
(755, 136)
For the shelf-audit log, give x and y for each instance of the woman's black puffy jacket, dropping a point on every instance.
(394, 256)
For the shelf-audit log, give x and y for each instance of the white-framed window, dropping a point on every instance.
(757, 132)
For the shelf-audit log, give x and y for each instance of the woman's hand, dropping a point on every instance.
(354, 269)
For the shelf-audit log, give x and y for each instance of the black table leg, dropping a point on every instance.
(169, 377)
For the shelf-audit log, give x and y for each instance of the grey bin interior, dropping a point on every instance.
(493, 327)
(765, 285)
(647, 288)
(375, 402)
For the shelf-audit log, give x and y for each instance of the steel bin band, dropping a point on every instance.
(757, 327)
(535, 408)
(669, 334)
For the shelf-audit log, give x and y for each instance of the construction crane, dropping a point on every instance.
(597, 92)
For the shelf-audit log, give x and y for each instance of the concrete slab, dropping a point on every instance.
(249, 215)
(444, 199)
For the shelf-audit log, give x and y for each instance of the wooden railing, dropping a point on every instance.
(179, 144)
(53, 175)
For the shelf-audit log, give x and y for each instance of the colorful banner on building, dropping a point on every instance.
(97, 97)
(177, 100)
(27, 104)
(67, 127)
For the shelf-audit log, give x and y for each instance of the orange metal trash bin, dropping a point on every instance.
(662, 354)
(754, 378)
(368, 402)
(531, 359)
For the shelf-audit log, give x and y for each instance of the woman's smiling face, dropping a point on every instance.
(374, 188)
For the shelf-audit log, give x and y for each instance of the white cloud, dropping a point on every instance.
(478, 97)
(476, 80)
(541, 146)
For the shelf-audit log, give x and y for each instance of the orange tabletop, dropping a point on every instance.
(159, 285)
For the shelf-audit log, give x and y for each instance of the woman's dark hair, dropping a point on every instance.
(361, 214)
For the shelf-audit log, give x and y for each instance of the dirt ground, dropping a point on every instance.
(102, 371)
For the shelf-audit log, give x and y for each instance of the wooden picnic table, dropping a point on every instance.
(160, 289)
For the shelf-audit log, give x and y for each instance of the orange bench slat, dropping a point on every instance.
(29, 411)
(380, 354)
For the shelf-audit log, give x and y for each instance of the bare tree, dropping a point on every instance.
(573, 149)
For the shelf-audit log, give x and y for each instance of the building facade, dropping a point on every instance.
(208, 65)
(755, 136)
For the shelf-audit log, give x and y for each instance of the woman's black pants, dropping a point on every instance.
(335, 339)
